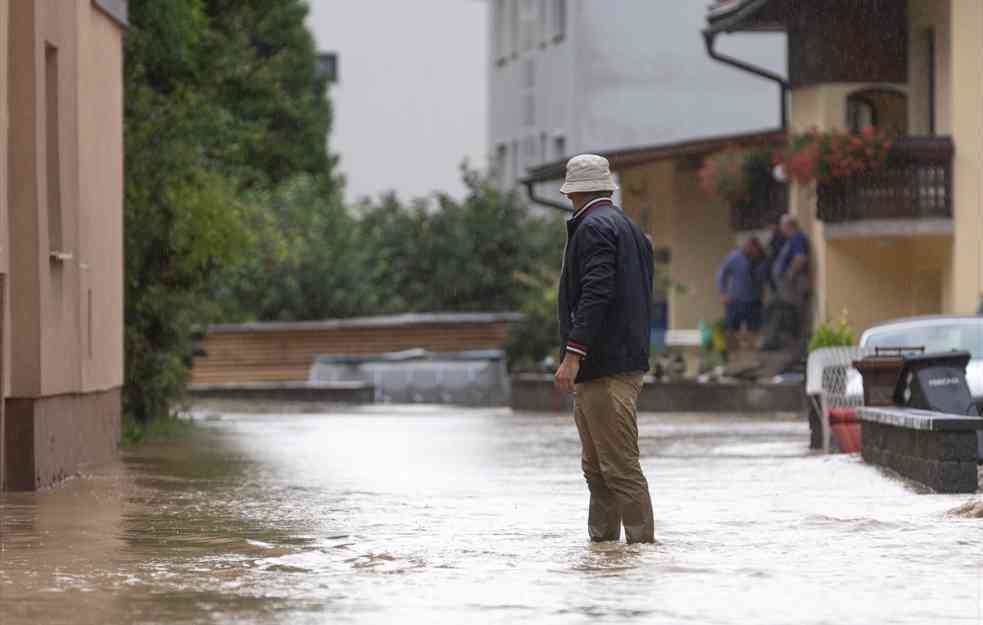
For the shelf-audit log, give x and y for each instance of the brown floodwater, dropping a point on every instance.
(445, 515)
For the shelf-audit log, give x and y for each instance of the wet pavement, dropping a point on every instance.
(443, 515)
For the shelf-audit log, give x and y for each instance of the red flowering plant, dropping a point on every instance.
(815, 156)
(737, 175)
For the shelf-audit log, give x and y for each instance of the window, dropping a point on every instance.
(544, 22)
(515, 162)
(528, 109)
(501, 154)
(559, 147)
(501, 25)
(882, 108)
(514, 27)
(529, 92)
(559, 19)
(53, 147)
(528, 22)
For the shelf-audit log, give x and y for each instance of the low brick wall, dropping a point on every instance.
(935, 449)
(536, 393)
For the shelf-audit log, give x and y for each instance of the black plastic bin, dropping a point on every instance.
(936, 382)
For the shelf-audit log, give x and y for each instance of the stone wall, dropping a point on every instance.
(936, 450)
(536, 393)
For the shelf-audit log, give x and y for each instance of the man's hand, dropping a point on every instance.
(566, 375)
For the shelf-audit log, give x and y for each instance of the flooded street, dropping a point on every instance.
(444, 515)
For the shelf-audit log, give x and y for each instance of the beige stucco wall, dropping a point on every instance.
(23, 197)
(966, 273)
(924, 15)
(884, 278)
(668, 202)
(63, 344)
(647, 194)
(101, 192)
(4, 237)
(701, 238)
(839, 279)
(60, 371)
(4, 123)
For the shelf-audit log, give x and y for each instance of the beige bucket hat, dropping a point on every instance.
(587, 173)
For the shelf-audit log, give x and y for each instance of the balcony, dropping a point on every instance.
(762, 211)
(914, 184)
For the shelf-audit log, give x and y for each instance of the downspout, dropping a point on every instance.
(535, 199)
(709, 38)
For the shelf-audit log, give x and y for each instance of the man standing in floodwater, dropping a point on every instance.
(605, 308)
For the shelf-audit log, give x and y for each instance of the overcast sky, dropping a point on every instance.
(411, 102)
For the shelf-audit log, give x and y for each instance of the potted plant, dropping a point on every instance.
(833, 155)
(738, 176)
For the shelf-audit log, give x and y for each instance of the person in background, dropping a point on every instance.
(776, 241)
(790, 272)
(741, 285)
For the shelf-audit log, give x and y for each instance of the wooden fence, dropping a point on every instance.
(273, 352)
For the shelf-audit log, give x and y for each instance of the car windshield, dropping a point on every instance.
(934, 337)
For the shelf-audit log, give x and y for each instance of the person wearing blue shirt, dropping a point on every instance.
(741, 286)
(790, 271)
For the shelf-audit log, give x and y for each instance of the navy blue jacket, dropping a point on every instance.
(605, 296)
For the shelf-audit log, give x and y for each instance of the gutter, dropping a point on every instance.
(710, 38)
(535, 199)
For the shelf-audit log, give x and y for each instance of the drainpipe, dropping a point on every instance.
(535, 199)
(709, 38)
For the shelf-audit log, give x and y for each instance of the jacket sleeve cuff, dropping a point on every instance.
(577, 348)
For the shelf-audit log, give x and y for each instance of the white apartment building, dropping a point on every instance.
(571, 76)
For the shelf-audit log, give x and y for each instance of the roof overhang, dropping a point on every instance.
(728, 16)
(631, 157)
(116, 10)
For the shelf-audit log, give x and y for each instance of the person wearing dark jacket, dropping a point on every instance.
(605, 310)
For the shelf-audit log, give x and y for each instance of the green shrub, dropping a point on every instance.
(838, 334)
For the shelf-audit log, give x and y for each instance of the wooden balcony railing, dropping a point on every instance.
(915, 183)
(761, 211)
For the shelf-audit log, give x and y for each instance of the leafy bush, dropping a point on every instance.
(538, 334)
(838, 334)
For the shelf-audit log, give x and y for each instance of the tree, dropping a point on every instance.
(223, 102)
(455, 256)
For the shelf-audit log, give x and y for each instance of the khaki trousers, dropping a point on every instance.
(605, 412)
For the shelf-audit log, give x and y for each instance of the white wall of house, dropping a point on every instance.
(571, 76)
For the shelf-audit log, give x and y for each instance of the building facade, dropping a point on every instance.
(571, 76)
(906, 239)
(61, 234)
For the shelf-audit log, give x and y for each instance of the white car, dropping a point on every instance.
(935, 334)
